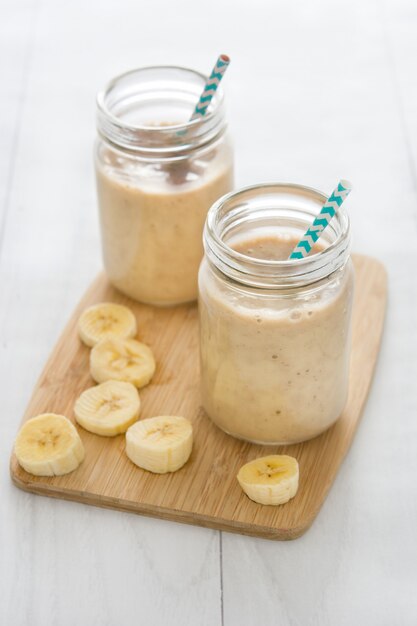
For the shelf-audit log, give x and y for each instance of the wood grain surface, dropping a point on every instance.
(205, 491)
(340, 102)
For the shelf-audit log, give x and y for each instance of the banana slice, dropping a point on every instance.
(270, 479)
(108, 409)
(160, 444)
(49, 445)
(122, 359)
(105, 320)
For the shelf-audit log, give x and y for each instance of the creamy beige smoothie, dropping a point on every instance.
(152, 230)
(275, 370)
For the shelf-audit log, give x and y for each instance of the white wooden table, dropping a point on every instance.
(316, 91)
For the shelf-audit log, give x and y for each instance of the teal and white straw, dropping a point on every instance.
(322, 220)
(211, 86)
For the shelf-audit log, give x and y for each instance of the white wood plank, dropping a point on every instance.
(64, 563)
(336, 114)
(400, 19)
(321, 104)
(16, 21)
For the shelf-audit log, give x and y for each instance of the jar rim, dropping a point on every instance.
(271, 273)
(102, 93)
(154, 138)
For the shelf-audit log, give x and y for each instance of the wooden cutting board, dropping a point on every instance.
(205, 491)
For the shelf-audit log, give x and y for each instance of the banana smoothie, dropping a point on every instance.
(274, 369)
(158, 171)
(152, 230)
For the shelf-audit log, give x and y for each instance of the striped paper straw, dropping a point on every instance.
(211, 86)
(322, 220)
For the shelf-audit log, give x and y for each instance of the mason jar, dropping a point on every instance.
(274, 333)
(157, 175)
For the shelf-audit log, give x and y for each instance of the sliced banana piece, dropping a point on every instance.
(105, 320)
(108, 409)
(122, 359)
(160, 444)
(270, 479)
(49, 445)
